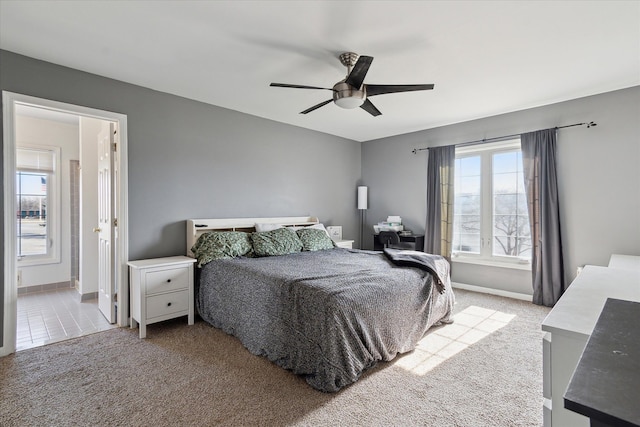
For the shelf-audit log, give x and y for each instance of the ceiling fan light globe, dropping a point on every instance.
(349, 102)
(348, 97)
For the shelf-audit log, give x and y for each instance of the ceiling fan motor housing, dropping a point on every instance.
(346, 96)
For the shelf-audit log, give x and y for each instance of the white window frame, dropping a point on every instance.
(53, 212)
(486, 257)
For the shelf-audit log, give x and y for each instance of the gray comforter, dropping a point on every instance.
(327, 315)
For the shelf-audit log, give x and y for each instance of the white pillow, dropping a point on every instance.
(320, 226)
(260, 227)
(268, 227)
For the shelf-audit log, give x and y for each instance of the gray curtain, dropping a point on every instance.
(440, 175)
(539, 165)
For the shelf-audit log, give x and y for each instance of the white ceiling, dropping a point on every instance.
(484, 57)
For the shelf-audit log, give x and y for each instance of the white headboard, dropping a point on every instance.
(195, 227)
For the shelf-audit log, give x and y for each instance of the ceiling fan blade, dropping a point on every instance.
(373, 90)
(298, 86)
(315, 107)
(370, 108)
(359, 71)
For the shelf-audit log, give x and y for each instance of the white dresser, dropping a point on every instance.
(625, 262)
(569, 325)
(161, 289)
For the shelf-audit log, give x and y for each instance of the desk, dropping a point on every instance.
(604, 386)
(417, 240)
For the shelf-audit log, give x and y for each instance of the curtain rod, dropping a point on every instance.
(495, 138)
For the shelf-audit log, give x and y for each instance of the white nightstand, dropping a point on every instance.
(161, 289)
(347, 244)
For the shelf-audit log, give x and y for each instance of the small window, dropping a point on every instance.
(491, 220)
(36, 192)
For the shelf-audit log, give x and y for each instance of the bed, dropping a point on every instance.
(327, 315)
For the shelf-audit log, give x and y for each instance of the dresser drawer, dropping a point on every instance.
(166, 304)
(167, 280)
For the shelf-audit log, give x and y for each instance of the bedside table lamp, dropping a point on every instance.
(362, 207)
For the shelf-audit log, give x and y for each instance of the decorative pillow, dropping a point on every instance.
(314, 239)
(221, 244)
(261, 227)
(280, 241)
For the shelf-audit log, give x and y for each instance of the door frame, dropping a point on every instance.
(9, 100)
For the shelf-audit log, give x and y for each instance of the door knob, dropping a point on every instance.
(97, 230)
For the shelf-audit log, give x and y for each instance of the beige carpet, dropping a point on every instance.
(196, 375)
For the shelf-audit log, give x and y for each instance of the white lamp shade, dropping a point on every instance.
(362, 197)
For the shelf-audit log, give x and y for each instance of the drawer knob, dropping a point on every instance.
(168, 304)
(168, 280)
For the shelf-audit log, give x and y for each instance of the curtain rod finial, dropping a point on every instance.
(414, 151)
(591, 124)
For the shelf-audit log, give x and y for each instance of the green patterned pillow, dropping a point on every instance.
(221, 244)
(280, 241)
(314, 239)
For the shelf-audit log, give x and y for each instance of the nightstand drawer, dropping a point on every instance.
(166, 304)
(167, 280)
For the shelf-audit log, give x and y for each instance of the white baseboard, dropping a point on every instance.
(499, 292)
(88, 296)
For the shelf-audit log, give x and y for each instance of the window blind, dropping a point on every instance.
(35, 160)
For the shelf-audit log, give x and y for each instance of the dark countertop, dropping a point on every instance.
(606, 383)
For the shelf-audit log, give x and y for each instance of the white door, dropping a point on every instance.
(106, 221)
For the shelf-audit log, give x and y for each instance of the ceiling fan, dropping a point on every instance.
(351, 92)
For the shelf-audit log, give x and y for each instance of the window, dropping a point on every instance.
(491, 220)
(36, 178)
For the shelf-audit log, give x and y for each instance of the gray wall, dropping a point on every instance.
(192, 160)
(598, 175)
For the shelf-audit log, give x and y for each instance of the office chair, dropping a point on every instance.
(391, 240)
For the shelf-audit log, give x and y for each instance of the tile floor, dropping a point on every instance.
(56, 315)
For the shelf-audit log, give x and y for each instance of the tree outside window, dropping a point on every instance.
(491, 219)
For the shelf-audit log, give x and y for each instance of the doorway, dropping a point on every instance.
(49, 316)
(11, 104)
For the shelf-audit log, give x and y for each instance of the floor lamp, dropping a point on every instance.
(362, 206)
